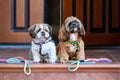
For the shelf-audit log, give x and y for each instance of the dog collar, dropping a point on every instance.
(77, 44)
(43, 42)
(40, 43)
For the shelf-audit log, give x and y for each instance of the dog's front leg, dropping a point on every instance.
(64, 57)
(80, 55)
(36, 56)
(62, 52)
(52, 56)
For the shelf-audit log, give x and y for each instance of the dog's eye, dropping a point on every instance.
(38, 30)
(46, 30)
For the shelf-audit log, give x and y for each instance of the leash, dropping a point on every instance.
(77, 63)
(27, 65)
(19, 61)
(30, 54)
(72, 62)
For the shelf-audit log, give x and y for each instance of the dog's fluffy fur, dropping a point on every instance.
(70, 33)
(42, 46)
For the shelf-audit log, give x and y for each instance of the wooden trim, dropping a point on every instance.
(98, 39)
(20, 10)
(60, 68)
(36, 11)
(67, 9)
(20, 21)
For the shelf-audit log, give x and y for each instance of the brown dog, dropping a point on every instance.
(71, 45)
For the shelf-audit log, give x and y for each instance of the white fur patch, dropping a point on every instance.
(47, 48)
(73, 37)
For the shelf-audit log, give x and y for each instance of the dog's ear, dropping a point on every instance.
(32, 31)
(50, 28)
(63, 35)
(82, 30)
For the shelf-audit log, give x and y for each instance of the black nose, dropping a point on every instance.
(74, 23)
(43, 33)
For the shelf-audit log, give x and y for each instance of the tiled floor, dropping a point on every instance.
(113, 54)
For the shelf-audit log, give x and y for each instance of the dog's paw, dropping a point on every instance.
(51, 62)
(36, 60)
(63, 62)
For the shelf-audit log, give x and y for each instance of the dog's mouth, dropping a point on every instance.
(74, 30)
(43, 38)
(43, 34)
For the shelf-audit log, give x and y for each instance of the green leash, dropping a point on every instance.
(72, 62)
(30, 54)
(25, 68)
(18, 61)
(77, 63)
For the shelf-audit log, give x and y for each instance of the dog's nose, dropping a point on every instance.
(43, 33)
(74, 23)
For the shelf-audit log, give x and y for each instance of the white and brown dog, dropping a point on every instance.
(71, 45)
(42, 46)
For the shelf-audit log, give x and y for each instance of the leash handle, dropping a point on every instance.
(72, 63)
(27, 65)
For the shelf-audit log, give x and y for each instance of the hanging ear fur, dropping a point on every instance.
(82, 30)
(63, 35)
(50, 28)
(32, 31)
